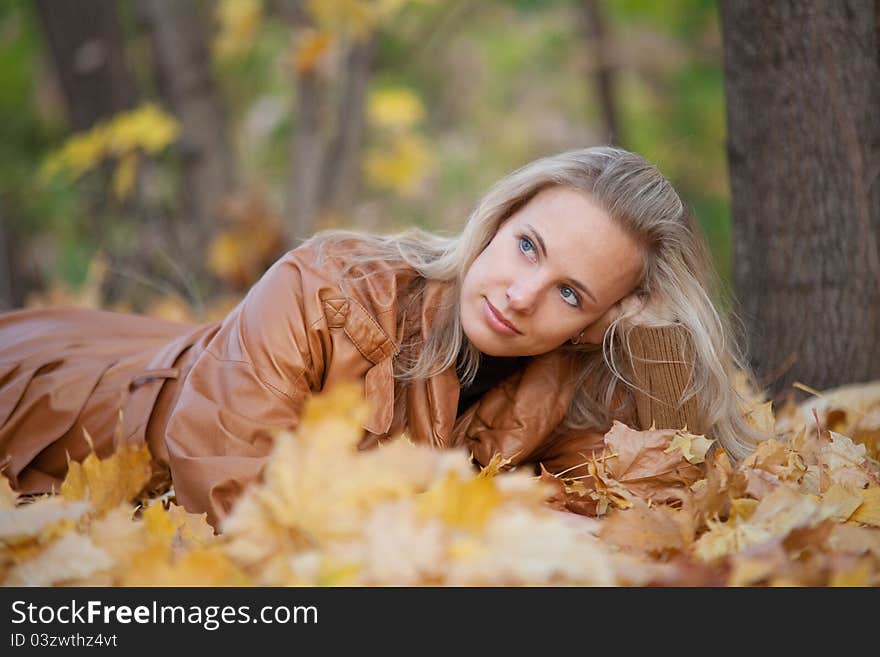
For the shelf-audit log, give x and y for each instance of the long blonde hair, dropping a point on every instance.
(677, 268)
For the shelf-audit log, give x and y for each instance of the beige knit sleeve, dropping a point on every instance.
(662, 359)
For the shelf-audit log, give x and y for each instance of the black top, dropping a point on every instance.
(492, 370)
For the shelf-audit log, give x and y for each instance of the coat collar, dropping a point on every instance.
(513, 419)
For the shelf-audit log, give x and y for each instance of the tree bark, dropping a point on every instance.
(86, 42)
(182, 62)
(596, 35)
(341, 181)
(803, 88)
(308, 154)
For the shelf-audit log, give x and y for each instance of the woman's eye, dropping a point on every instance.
(525, 243)
(571, 299)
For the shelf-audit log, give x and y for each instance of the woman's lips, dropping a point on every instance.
(495, 321)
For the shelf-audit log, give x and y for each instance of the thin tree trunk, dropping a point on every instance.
(308, 155)
(86, 42)
(593, 26)
(803, 88)
(182, 60)
(341, 180)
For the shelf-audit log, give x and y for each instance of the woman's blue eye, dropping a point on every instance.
(573, 299)
(527, 241)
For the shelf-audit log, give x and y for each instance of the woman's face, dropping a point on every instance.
(553, 268)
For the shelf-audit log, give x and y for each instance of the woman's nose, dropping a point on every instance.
(522, 294)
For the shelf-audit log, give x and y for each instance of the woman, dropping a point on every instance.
(577, 293)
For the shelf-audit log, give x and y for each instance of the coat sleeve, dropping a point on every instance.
(661, 363)
(252, 378)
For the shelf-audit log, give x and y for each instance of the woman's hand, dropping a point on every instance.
(640, 311)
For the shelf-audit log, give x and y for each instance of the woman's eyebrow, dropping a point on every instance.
(543, 246)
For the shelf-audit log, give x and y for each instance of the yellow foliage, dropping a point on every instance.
(239, 23)
(868, 511)
(109, 482)
(146, 129)
(326, 514)
(465, 504)
(401, 166)
(124, 175)
(355, 19)
(397, 108)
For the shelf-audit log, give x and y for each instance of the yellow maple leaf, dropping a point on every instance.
(495, 465)
(692, 446)
(840, 501)
(192, 528)
(158, 524)
(461, 503)
(868, 511)
(106, 483)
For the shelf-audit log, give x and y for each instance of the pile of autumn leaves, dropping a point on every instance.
(658, 507)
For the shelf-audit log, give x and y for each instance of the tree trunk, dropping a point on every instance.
(803, 89)
(308, 154)
(86, 42)
(341, 181)
(596, 34)
(182, 61)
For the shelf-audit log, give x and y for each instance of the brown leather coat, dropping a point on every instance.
(207, 397)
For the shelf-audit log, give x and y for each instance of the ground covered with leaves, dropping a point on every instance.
(656, 508)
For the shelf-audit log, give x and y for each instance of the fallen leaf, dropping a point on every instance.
(106, 483)
(868, 511)
(693, 447)
(643, 466)
(656, 529)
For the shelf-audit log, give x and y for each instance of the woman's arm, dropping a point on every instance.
(252, 378)
(661, 364)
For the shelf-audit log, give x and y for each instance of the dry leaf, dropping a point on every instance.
(868, 511)
(643, 466)
(656, 529)
(106, 483)
(691, 446)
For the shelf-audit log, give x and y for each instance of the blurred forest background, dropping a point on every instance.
(159, 155)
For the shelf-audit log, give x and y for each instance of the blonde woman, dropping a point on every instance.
(579, 292)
